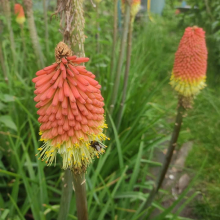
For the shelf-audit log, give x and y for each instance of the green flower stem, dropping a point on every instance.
(23, 39)
(97, 36)
(46, 26)
(128, 61)
(7, 11)
(172, 145)
(67, 191)
(121, 58)
(97, 29)
(33, 33)
(114, 38)
(2, 62)
(75, 8)
(80, 193)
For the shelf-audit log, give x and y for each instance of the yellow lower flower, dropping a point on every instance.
(135, 7)
(20, 20)
(187, 87)
(78, 155)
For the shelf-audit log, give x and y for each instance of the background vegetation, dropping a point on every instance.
(118, 183)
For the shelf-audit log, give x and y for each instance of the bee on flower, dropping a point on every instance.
(71, 111)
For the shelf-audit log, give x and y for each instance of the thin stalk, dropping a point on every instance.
(128, 61)
(115, 30)
(65, 20)
(97, 35)
(78, 36)
(71, 13)
(67, 190)
(97, 28)
(23, 40)
(46, 26)
(33, 33)
(148, 10)
(3, 65)
(80, 193)
(121, 57)
(7, 11)
(209, 10)
(168, 157)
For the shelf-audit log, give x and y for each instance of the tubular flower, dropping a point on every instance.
(135, 7)
(19, 12)
(71, 111)
(189, 71)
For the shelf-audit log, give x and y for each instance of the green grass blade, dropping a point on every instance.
(16, 207)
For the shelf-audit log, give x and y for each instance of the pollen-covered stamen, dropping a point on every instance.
(71, 110)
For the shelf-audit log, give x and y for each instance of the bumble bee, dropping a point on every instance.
(97, 145)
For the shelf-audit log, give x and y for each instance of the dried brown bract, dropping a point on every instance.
(62, 50)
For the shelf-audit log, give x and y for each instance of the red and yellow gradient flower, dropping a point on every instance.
(189, 71)
(71, 111)
(135, 7)
(19, 12)
(98, 1)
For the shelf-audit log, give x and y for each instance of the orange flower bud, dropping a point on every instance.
(19, 12)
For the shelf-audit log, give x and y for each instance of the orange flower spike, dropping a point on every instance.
(189, 71)
(71, 111)
(135, 7)
(19, 12)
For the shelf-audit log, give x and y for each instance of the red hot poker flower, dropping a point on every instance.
(71, 111)
(189, 71)
(135, 7)
(19, 11)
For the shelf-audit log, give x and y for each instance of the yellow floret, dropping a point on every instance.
(187, 87)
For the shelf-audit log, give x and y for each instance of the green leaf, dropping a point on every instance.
(7, 121)
(8, 98)
(2, 106)
(16, 207)
(215, 24)
(4, 214)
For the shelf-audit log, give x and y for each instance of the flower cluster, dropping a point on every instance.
(135, 7)
(71, 111)
(19, 12)
(98, 1)
(189, 71)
